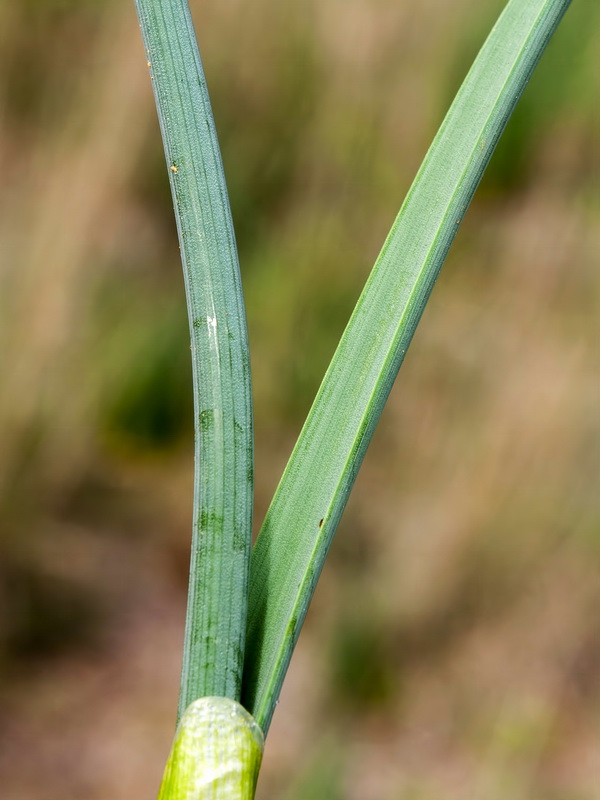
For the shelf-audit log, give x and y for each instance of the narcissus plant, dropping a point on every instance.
(246, 605)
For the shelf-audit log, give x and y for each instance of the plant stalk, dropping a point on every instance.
(216, 754)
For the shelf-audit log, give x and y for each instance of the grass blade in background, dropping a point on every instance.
(217, 600)
(289, 553)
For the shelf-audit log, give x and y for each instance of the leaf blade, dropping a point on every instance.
(297, 531)
(223, 481)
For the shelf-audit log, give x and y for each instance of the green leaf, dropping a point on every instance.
(217, 602)
(297, 531)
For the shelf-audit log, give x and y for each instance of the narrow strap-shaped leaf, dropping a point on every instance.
(216, 754)
(217, 602)
(296, 534)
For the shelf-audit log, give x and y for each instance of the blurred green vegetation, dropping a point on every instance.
(453, 648)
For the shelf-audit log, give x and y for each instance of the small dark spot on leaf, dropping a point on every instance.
(239, 542)
(206, 419)
(209, 521)
(291, 630)
(239, 657)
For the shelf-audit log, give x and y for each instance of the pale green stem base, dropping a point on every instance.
(216, 754)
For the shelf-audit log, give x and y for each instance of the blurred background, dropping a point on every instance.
(453, 646)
